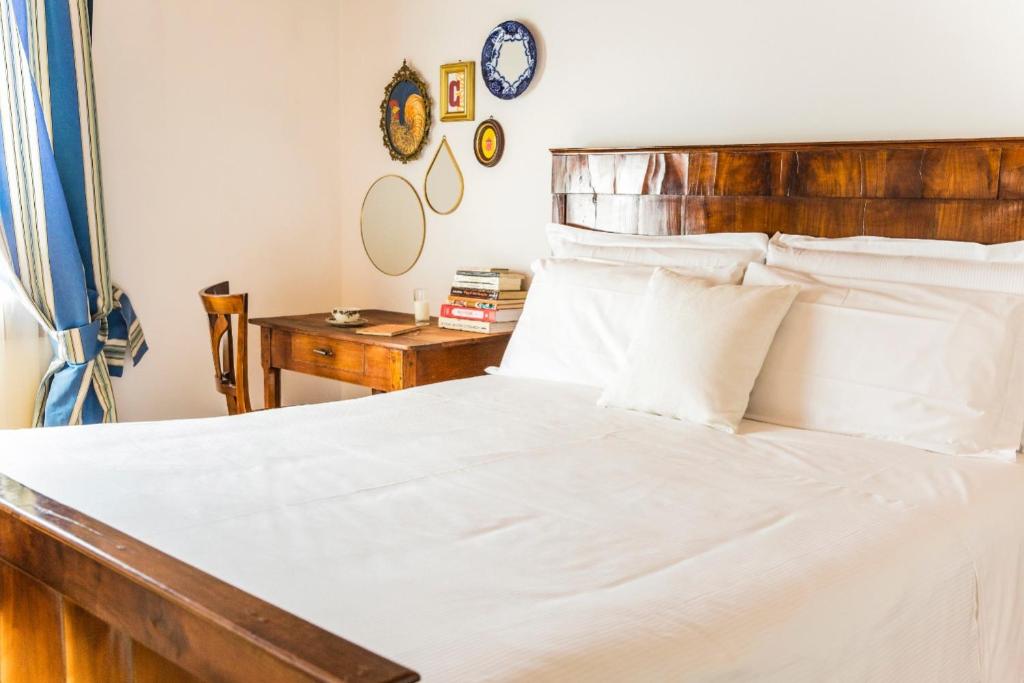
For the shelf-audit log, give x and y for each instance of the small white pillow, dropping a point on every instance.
(989, 276)
(896, 246)
(696, 351)
(934, 367)
(578, 318)
(750, 241)
(694, 251)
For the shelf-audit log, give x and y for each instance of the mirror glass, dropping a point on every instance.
(513, 60)
(443, 185)
(392, 225)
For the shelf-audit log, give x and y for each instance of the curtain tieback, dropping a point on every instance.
(81, 345)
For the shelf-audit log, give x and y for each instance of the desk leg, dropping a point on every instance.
(271, 375)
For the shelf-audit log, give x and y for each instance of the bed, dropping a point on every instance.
(322, 543)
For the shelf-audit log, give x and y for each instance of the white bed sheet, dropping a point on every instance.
(501, 529)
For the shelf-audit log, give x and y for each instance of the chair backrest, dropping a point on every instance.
(230, 352)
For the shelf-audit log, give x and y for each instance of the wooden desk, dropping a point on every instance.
(307, 344)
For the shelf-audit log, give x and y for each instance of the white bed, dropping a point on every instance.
(500, 529)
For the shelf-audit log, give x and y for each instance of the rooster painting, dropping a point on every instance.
(405, 115)
(408, 118)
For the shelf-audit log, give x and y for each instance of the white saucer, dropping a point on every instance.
(358, 322)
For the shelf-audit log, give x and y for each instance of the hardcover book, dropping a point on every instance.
(488, 284)
(389, 330)
(487, 304)
(478, 293)
(492, 316)
(483, 272)
(474, 325)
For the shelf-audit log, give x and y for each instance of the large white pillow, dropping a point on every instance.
(696, 350)
(897, 246)
(579, 317)
(937, 368)
(693, 251)
(1001, 276)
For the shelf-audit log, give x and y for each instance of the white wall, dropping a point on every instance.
(220, 128)
(221, 121)
(659, 72)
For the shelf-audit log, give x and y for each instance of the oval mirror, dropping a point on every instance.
(443, 185)
(392, 225)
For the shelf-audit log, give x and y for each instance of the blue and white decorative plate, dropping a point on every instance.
(509, 60)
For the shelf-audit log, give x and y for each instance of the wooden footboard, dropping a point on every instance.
(82, 602)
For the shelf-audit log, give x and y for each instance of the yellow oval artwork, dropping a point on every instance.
(489, 142)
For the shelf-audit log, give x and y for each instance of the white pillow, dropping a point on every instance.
(982, 267)
(934, 367)
(1007, 277)
(896, 246)
(756, 241)
(696, 350)
(578, 316)
(694, 251)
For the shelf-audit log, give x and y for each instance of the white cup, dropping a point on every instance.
(345, 315)
(420, 306)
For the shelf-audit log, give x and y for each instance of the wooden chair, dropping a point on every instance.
(230, 363)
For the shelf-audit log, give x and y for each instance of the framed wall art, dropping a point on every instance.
(508, 60)
(489, 142)
(457, 97)
(405, 114)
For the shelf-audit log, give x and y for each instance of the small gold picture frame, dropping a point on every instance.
(457, 95)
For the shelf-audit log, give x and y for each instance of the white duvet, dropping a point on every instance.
(500, 529)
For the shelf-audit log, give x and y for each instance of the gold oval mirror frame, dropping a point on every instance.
(443, 185)
(392, 225)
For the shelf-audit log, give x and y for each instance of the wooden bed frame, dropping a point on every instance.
(84, 603)
(968, 190)
(80, 601)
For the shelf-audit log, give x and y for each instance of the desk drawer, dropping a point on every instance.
(341, 355)
(370, 366)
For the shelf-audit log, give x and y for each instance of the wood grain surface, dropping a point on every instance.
(968, 190)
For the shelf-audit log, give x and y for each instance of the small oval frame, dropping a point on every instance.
(499, 135)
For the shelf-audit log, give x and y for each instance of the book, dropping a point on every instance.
(495, 316)
(489, 275)
(389, 330)
(488, 284)
(486, 304)
(482, 272)
(474, 325)
(477, 293)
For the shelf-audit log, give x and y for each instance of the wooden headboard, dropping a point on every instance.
(970, 190)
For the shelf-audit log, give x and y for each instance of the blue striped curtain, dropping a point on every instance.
(51, 207)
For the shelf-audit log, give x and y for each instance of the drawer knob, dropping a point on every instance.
(326, 353)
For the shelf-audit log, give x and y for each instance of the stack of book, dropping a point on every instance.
(484, 300)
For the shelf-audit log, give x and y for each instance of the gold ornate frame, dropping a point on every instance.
(469, 68)
(405, 73)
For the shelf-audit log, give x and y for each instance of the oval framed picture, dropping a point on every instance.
(405, 115)
(508, 60)
(489, 142)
